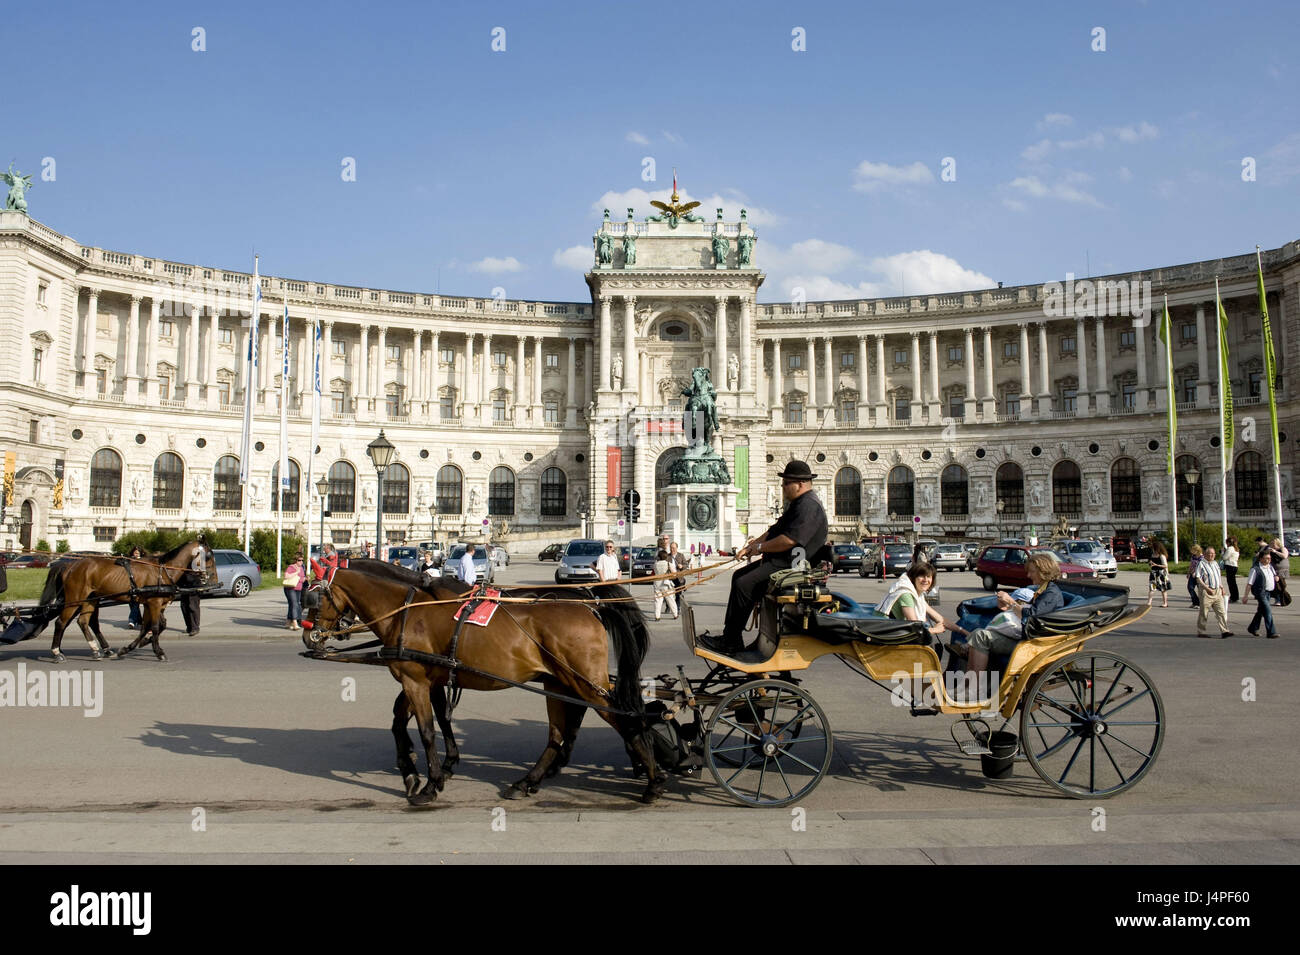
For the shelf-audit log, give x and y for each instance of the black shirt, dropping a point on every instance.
(804, 522)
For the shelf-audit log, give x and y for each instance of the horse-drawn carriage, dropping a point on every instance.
(1090, 722)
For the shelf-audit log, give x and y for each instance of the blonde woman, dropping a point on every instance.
(1043, 573)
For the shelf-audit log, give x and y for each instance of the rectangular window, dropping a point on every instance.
(226, 336)
(1012, 403)
(1130, 396)
(38, 359)
(846, 359)
(1069, 399)
(1187, 333)
(900, 356)
(41, 289)
(902, 409)
(392, 406)
(1189, 389)
(395, 353)
(1256, 384)
(957, 407)
(340, 402)
(498, 359)
(164, 387)
(1010, 350)
(794, 362)
(1068, 345)
(848, 411)
(223, 392)
(552, 360)
(955, 352)
(33, 431)
(498, 409)
(166, 329)
(338, 348)
(551, 411)
(1128, 339)
(446, 407)
(794, 413)
(105, 535)
(447, 356)
(339, 537)
(101, 380)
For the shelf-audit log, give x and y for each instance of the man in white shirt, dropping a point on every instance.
(465, 566)
(1209, 584)
(607, 564)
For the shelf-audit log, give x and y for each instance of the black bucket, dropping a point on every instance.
(998, 764)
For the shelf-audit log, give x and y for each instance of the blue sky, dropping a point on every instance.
(477, 169)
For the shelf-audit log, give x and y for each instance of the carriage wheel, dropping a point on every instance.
(768, 743)
(1092, 724)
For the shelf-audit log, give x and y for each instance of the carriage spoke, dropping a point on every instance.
(1106, 749)
(744, 766)
(1123, 742)
(792, 719)
(798, 760)
(1131, 700)
(762, 774)
(788, 790)
(737, 726)
(1070, 764)
(1114, 684)
(802, 739)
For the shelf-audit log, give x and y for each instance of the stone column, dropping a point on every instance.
(631, 382)
(1044, 380)
(571, 386)
(326, 353)
(305, 369)
(1202, 360)
(521, 398)
(881, 410)
(811, 403)
(362, 376)
(210, 360)
(467, 405)
(778, 386)
(1026, 390)
(1081, 349)
(1103, 378)
(916, 378)
(969, 354)
(417, 373)
(936, 399)
(485, 382)
(601, 373)
(435, 358)
(131, 380)
(588, 389)
(1142, 400)
(269, 364)
(720, 345)
(537, 380)
(1164, 387)
(864, 384)
(828, 398)
(990, 397)
(151, 353)
(91, 344)
(192, 359)
(746, 346)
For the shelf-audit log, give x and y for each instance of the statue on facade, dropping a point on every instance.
(473, 501)
(720, 249)
(700, 464)
(18, 184)
(927, 497)
(616, 373)
(1155, 495)
(138, 490)
(629, 250)
(604, 249)
(74, 484)
(674, 210)
(1036, 494)
(199, 491)
(257, 491)
(744, 251)
(1216, 492)
(368, 495)
(733, 372)
(981, 497)
(423, 494)
(1094, 493)
(873, 498)
(526, 496)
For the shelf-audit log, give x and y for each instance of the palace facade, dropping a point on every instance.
(982, 413)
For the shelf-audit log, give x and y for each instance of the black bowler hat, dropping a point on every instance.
(797, 471)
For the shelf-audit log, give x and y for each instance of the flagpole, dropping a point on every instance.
(315, 425)
(1225, 407)
(1270, 370)
(1172, 415)
(283, 469)
(246, 444)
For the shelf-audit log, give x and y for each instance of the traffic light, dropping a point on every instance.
(631, 505)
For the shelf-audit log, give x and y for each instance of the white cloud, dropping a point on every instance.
(811, 265)
(870, 176)
(635, 137)
(673, 138)
(925, 272)
(1035, 188)
(493, 264)
(1015, 205)
(1125, 174)
(1134, 134)
(811, 254)
(1094, 140)
(1037, 151)
(639, 199)
(580, 257)
(1056, 119)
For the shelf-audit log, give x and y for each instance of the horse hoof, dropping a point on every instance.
(653, 792)
(162, 658)
(421, 799)
(121, 654)
(59, 657)
(96, 655)
(412, 784)
(522, 788)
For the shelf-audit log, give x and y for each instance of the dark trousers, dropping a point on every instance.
(1230, 575)
(1191, 592)
(1263, 611)
(747, 588)
(134, 616)
(294, 596)
(190, 611)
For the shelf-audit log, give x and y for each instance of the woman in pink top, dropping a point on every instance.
(294, 576)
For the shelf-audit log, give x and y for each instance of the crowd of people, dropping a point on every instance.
(1212, 584)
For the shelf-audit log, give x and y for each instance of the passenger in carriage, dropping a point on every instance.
(906, 599)
(1043, 571)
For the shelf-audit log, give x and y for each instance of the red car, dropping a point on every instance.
(29, 561)
(1003, 565)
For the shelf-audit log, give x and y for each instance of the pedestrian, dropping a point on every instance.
(1209, 582)
(427, 567)
(1191, 574)
(190, 613)
(1281, 567)
(134, 619)
(1158, 579)
(464, 567)
(1230, 558)
(292, 585)
(607, 568)
(665, 590)
(1262, 581)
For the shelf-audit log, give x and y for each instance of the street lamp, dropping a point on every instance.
(1001, 506)
(1192, 477)
(322, 489)
(381, 455)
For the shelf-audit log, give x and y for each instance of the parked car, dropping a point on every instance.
(436, 551)
(407, 555)
(551, 552)
(1003, 565)
(1089, 553)
(499, 555)
(237, 574)
(892, 561)
(643, 562)
(949, 557)
(846, 557)
(578, 564)
(869, 566)
(29, 562)
(482, 566)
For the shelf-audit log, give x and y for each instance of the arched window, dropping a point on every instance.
(954, 490)
(227, 494)
(1067, 488)
(106, 479)
(397, 489)
(1251, 481)
(447, 490)
(554, 493)
(343, 488)
(1125, 486)
(168, 480)
(501, 491)
(1011, 488)
(290, 492)
(900, 491)
(1186, 491)
(848, 492)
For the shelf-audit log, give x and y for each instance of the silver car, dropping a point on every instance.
(404, 554)
(1088, 554)
(579, 561)
(949, 557)
(482, 566)
(237, 573)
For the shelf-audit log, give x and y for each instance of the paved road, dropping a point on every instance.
(283, 768)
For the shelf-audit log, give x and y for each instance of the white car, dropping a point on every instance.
(1088, 554)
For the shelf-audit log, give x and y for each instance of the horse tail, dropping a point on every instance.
(625, 622)
(51, 602)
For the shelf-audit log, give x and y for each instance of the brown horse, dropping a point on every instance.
(78, 589)
(560, 644)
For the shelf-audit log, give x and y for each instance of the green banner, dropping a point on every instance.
(1167, 336)
(1225, 380)
(742, 477)
(1270, 367)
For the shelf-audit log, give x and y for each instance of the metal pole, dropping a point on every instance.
(321, 543)
(379, 516)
